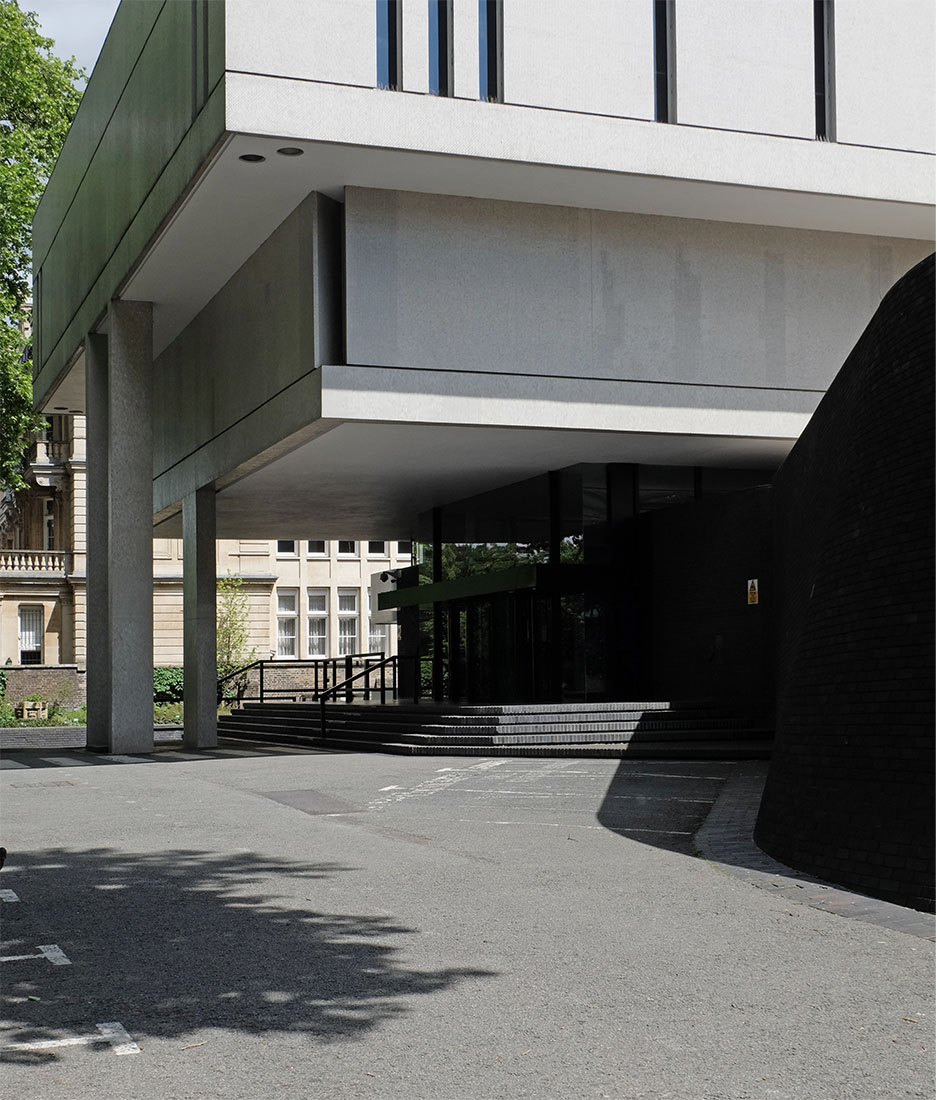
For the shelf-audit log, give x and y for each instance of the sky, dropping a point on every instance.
(79, 27)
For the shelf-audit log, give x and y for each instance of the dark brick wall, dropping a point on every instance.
(850, 794)
(62, 684)
(707, 641)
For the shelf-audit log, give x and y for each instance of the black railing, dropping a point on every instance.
(302, 681)
(346, 686)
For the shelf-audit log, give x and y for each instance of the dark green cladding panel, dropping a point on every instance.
(128, 159)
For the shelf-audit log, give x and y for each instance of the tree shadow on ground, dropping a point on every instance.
(169, 942)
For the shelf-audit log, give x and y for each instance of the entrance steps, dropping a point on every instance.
(643, 730)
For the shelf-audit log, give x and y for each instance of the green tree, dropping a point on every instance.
(38, 100)
(231, 623)
(232, 632)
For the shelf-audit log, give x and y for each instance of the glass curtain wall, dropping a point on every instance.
(540, 588)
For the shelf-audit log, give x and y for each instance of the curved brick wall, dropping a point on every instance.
(850, 793)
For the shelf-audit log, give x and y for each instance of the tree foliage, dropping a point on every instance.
(232, 632)
(38, 100)
(231, 624)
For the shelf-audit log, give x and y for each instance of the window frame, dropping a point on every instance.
(490, 51)
(389, 45)
(40, 609)
(347, 555)
(348, 616)
(824, 70)
(293, 616)
(318, 617)
(294, 553)
(665, 61)
(440, 51)
(323, 553)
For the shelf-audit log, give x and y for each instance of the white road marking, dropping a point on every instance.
(395, 788)
(117, 1036)
(566, 825)
(577, 794)
(8, 895)
(439, 783)
(50, 951)
(113, 1033)
(603, 777)
(54, 954)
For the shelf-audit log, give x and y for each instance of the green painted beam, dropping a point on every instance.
(460, 588)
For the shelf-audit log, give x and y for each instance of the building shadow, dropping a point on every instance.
(698, 808)
(663, 803)
(172, 941)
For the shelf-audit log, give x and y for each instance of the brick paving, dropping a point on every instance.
(725, 841)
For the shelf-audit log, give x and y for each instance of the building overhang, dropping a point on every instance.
(392, 444)
(364, 137)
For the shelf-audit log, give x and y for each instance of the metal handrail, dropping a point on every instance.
(318, 663)
(345, 686)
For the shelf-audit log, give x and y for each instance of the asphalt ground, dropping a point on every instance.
(276, 923)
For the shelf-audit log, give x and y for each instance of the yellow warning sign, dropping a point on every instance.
(753, 591)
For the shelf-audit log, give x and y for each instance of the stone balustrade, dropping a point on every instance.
(33, 561)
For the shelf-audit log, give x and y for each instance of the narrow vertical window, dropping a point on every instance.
(490, 51)
(379, 639)
(389, 41)
(665, 84)
(823, 70)
(286, 622)
(317, 621)
(440, 47)
(31, 624)
(347, 621)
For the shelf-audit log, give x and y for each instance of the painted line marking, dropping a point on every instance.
(50, 951)
(566, 825)
(8, 895)
(117, 1036)
(395, 788)
(439, 783)
(113, 1033)
(577, 794)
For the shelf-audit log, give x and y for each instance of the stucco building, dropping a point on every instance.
(319, 268)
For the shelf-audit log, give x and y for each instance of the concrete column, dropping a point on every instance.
(130, 525)
(199, 603)
(97, 642)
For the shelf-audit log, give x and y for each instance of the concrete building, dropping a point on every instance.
(318, 268)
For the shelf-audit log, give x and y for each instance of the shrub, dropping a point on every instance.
(167, 685)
